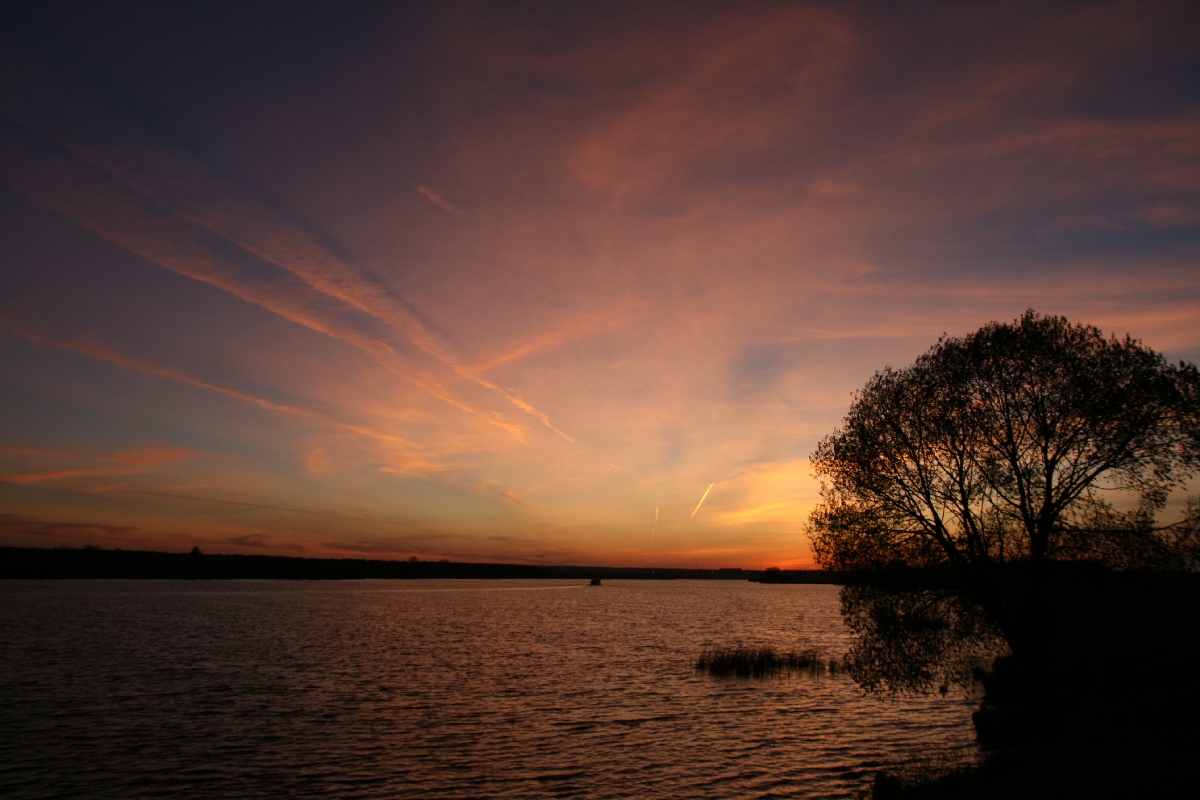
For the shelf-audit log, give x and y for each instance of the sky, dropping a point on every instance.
(563, 283)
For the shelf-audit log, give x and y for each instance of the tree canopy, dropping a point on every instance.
(1034, 440)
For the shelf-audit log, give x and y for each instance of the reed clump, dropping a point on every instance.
(765, 662)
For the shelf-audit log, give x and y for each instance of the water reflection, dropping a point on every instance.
(912, 640)
(461, 689)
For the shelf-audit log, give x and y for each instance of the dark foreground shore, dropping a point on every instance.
(1100, 700)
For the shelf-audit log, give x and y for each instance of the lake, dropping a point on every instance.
(471, 689)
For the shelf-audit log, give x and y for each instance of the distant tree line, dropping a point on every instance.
(94, 562)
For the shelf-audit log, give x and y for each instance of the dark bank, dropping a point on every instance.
(96, 563)
(1096, 699)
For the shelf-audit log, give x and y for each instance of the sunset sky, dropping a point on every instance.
(522, 281)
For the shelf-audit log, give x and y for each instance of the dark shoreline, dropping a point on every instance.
(39, 563)
(1098, 700)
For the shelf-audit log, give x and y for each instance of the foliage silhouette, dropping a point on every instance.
(912, 639)
(1006, 489)
(1012, 444)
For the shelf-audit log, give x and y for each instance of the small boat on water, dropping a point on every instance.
(595, 582)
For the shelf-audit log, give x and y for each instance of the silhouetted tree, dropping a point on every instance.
(1012, 444)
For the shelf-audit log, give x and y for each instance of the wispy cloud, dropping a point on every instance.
(170, 179)
(31, 526)
(390, 548)
(436, 199)
(220, 501)
(132, 221)
(574, 329)
(261, 541)
(29, 478)
(512, 498)
(129, 462)
(101, 352)
(152, 454)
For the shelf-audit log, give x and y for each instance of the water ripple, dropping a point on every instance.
(436, 688)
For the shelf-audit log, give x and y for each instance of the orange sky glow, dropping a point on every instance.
(561, 283)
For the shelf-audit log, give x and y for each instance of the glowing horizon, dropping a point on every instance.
(511, 283)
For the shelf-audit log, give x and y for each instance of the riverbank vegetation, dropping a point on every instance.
(100, 563)
(764, 662)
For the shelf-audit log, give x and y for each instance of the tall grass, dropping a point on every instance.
(765, 662)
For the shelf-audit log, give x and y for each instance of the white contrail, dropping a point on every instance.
(706, 491)
(437, 199)
(654, 530)
(153, 175)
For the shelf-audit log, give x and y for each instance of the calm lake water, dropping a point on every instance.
(383, 689)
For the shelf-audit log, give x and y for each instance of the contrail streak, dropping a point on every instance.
(706, 491)
(100, 352)
(437, 199)
(169, 178)
(130, 220)
(654, 530)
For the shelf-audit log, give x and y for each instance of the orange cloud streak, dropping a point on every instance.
(100, 352)
(172, 180)
(154, 454)
(28, 478)
(130, 221)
